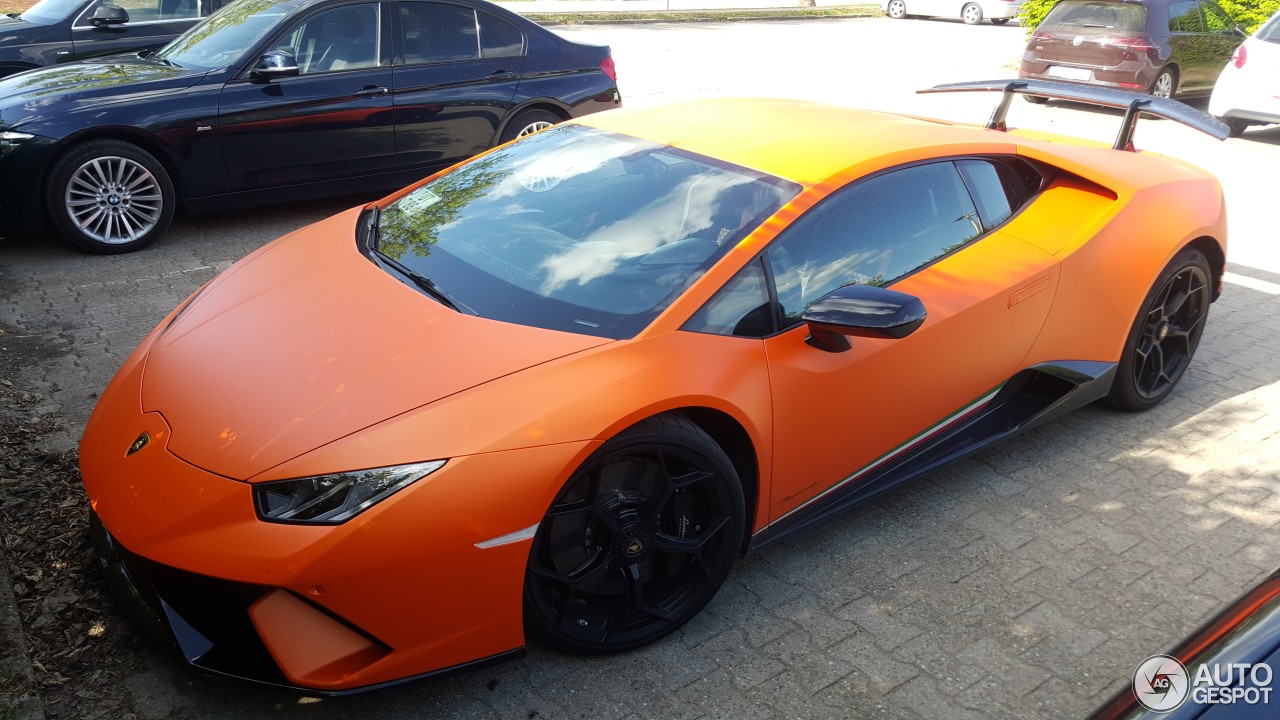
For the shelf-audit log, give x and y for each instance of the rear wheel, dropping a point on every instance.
(897, 9)
(1165, 83)
(529, 122)
(1035, 99)
(637, 541)
(971, 14)
(109, 197)
(1235, 126)
(1165, 334)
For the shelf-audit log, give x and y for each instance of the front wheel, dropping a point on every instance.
(529, 122)
(109, 197)
(637, 541)
(971, 14)
(897, 9)
(1165, 334)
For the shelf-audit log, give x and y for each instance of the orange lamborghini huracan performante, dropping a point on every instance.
(553, 391)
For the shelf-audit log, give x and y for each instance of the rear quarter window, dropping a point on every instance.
(1121, 17)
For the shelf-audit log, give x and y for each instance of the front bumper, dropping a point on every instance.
(407, 589)
(22, 179)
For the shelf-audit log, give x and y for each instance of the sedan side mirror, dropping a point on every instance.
(106, 14)
(861, 311)
(276, 64)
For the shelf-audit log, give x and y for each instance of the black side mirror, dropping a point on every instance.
(861, 311)
(106, 14)
(276, 64)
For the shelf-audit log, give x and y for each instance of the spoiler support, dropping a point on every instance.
(1132, 103)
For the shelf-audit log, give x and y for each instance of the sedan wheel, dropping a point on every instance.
(1165, 335)
(971, 14)
(897, 9)
(109, 197)
(527, 123)
(637, 542)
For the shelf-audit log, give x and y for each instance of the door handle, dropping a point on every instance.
(370, 91)
(498, 75)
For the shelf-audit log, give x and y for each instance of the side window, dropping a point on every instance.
(1216, 19)
(999, 187)
(499, 38)
(1184, 16)
(343, 38)
(872, 233)
(437, 32)
(742, 307)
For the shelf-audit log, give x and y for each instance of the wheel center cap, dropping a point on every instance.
(633, 542)
(113, 199)
(1162, 331)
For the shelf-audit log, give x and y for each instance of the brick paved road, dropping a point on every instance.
(1027, 581)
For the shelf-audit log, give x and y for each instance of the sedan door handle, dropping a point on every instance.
(370, 91)
(498, 75)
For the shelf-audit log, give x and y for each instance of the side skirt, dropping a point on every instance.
(1031, 397)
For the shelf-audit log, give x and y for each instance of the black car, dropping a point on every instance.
(272, 100)
(1165, 47)
(59, 31)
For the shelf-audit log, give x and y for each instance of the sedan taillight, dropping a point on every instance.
(608, 68)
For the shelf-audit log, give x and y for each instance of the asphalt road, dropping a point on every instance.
(1028, 581)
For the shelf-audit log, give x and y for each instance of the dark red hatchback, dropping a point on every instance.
(1165, 47)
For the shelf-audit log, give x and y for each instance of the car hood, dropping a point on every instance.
(57, 89)
(307, 342)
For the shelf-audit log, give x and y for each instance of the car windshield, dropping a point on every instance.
(47, 12)
(224, 36)
(576, 229)
(1124, 17)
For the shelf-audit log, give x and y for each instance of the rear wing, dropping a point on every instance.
(1132, 103)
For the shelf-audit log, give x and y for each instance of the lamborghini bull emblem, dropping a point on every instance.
(634, 547)
(138, 444)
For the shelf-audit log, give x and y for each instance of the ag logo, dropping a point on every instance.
(138, 444)
(1161, 683)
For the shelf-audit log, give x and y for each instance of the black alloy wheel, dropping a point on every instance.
(1165, 334)
(637, 542)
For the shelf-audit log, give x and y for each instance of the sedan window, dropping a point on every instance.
(343, 38)
(499, 38)
(872, 233)
(437, 32)
(47, 12)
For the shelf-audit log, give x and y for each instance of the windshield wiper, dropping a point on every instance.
(425, 283)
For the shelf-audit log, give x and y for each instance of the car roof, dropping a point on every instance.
(796, 140)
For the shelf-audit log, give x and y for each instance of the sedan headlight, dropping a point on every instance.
(333, 499)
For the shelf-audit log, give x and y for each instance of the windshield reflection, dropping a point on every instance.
(225, 35)
(576, 229)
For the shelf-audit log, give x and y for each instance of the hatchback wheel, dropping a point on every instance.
(971, 14)
(1165, 83)
(897, 9)
(637, 541)
(109, 197)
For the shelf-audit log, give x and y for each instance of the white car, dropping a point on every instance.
(1248, 90)
(971, 12)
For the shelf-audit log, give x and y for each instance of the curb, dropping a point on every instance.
(18, 697)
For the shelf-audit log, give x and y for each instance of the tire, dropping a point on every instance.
(109, 197)
(1165, 83)
(1035, 99)
(1165, 333)
(999, 21)
(897, 9)
(1235, 126)
(971, 14)
(637, 541)
(528, 122)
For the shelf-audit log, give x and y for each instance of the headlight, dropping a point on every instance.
(333, 499)
(10, 139)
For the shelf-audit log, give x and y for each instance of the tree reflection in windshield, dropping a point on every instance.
(225, 35)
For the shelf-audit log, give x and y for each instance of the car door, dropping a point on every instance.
(331, 121)
(152, 23)
(455, 80)
(916, 230)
